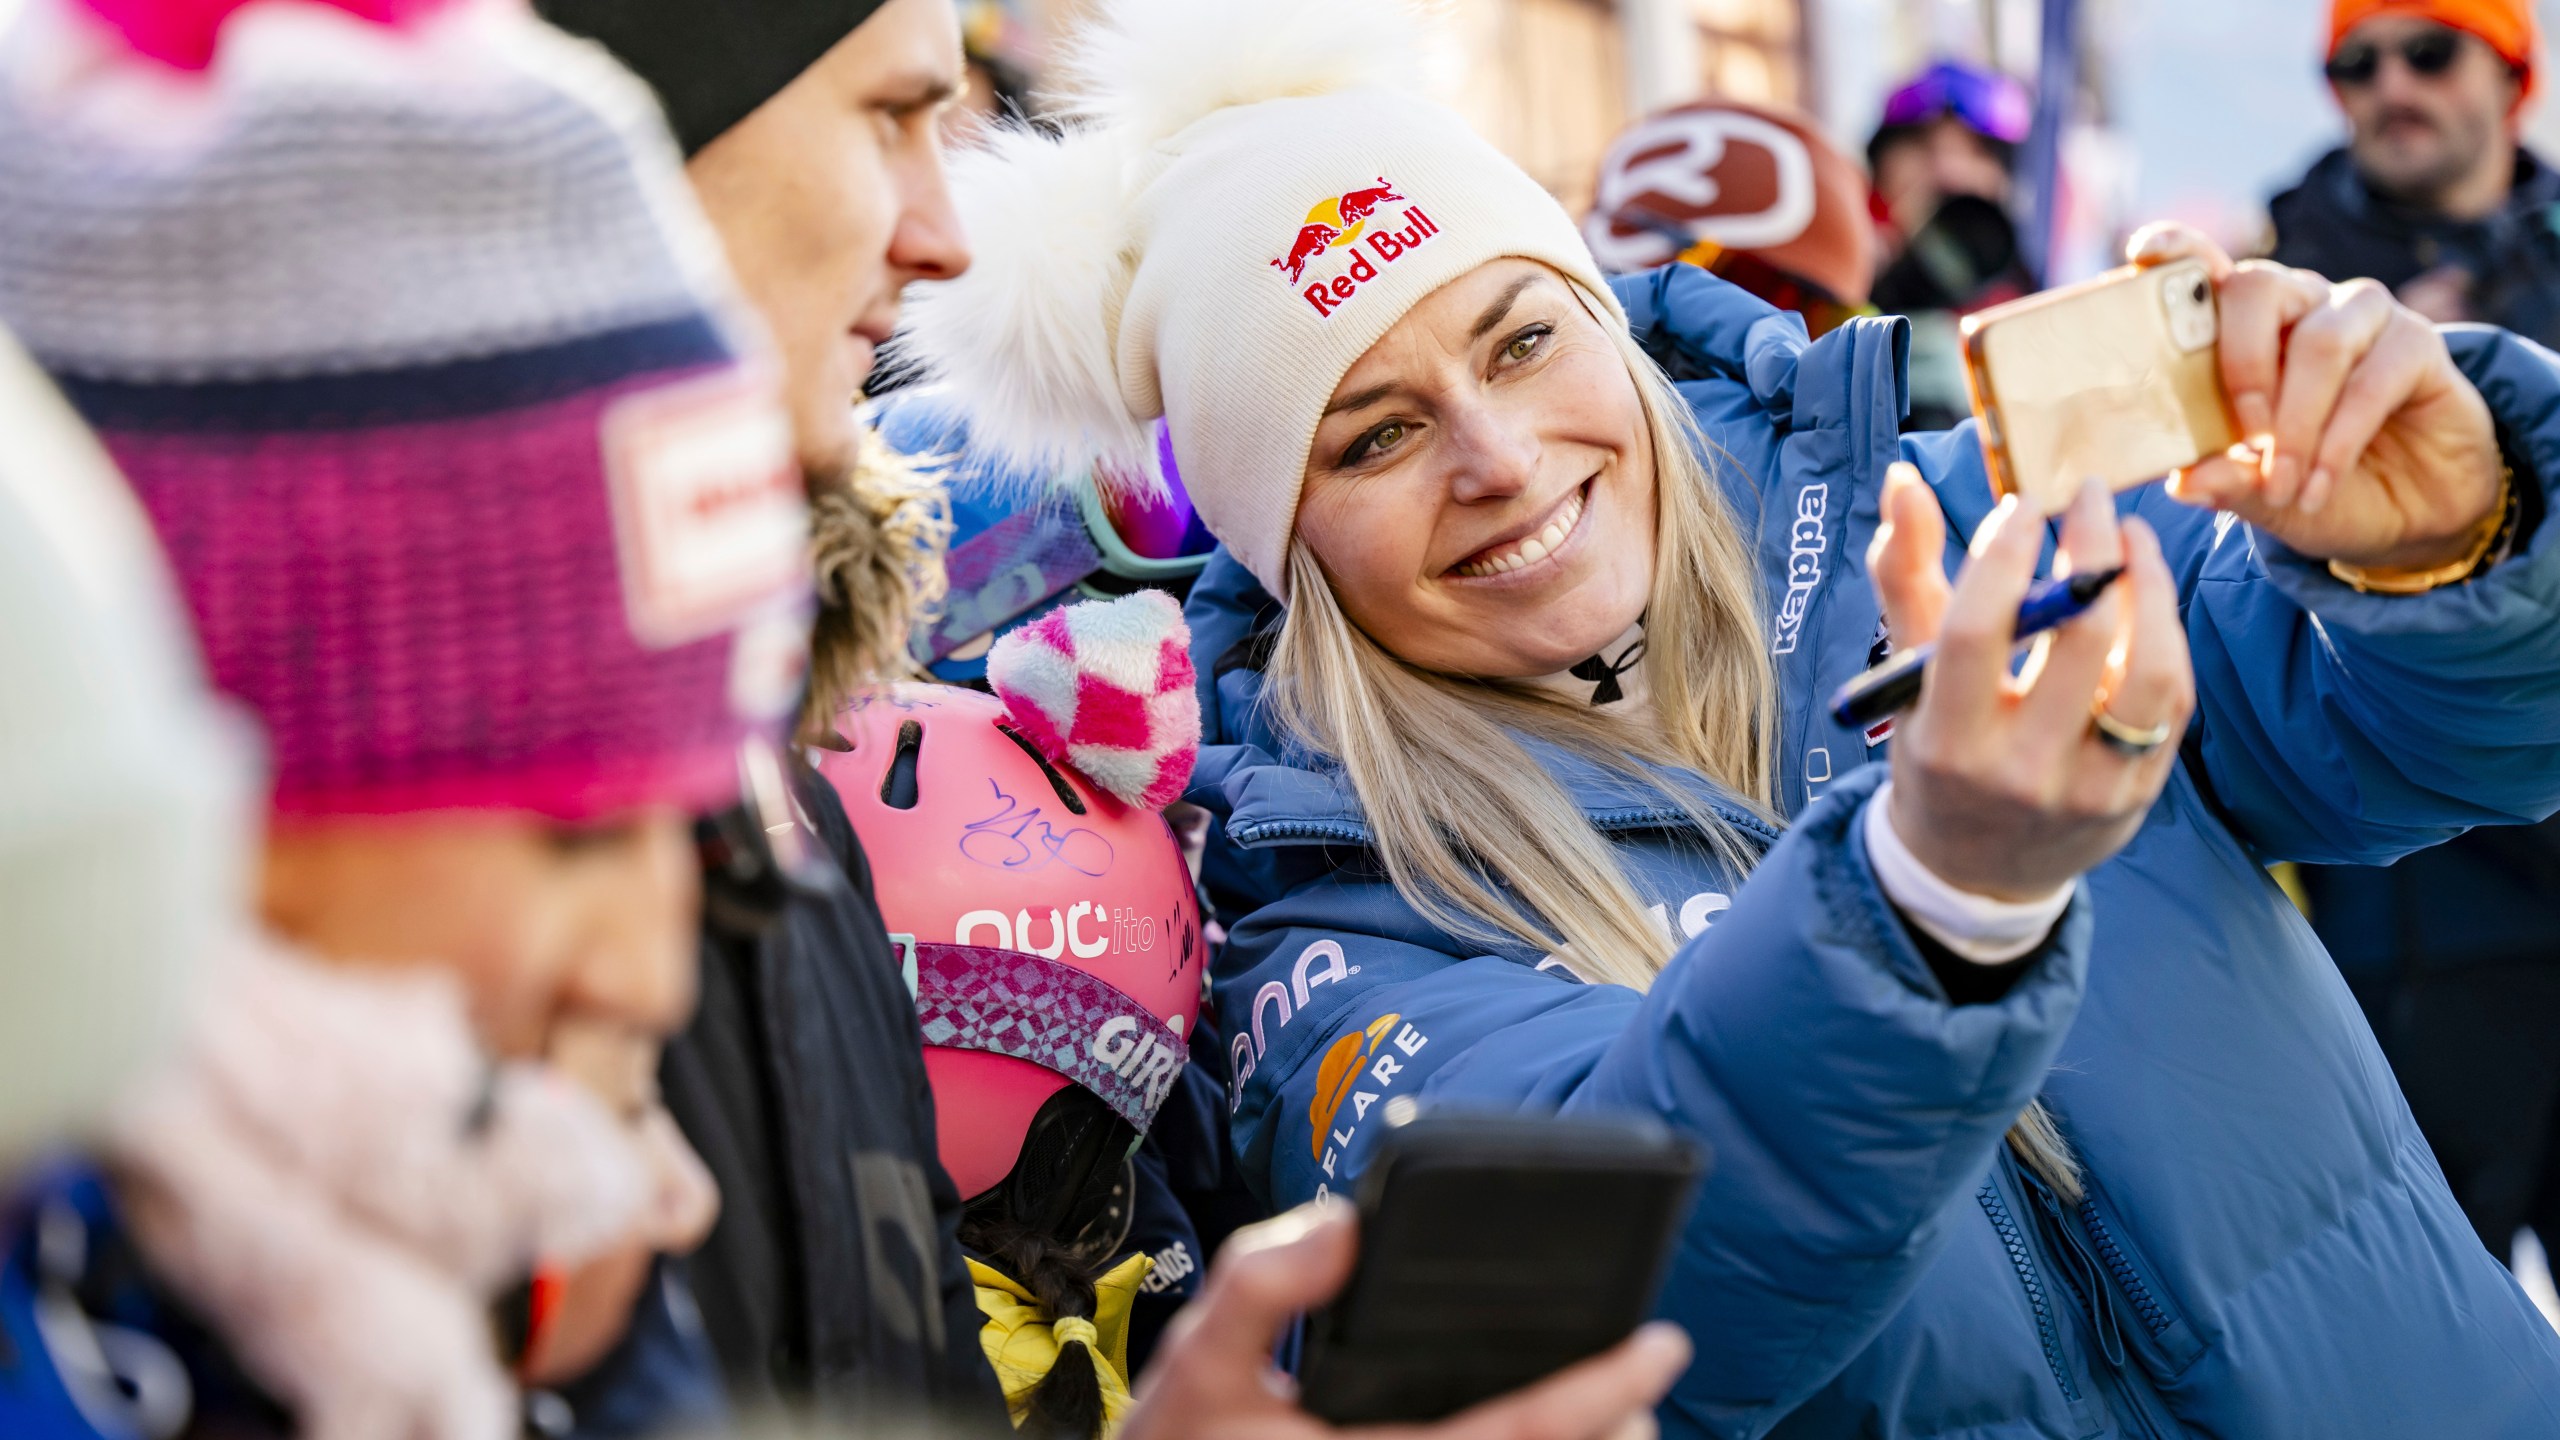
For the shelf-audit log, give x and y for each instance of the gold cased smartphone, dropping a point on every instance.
(2115, 377)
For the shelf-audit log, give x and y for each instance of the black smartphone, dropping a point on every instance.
(1495, 1251)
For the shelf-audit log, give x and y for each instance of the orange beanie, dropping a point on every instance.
(2507, 25)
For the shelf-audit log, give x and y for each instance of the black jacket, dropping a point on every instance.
(833, 1280)
(2447, 938)
(2334, 224)
(2484, 896)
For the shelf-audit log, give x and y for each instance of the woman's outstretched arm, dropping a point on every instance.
(2347, 724)
(1804, 1037)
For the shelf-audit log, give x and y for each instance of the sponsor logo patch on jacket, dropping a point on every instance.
(1806, 540)
(1358, 1069)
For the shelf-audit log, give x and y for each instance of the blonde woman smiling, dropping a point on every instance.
(1531, 590)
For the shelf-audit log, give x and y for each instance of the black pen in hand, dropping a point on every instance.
(1890, 688)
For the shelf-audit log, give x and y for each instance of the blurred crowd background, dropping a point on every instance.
(2177, 108)
(1926, 159)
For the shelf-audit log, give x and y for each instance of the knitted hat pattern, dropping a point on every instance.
(478, 487)
(1247, 196)
(1105, 687)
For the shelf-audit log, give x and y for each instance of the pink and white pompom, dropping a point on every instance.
(1104, 687)
(186, 33)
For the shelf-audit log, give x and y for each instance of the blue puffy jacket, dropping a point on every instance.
(2267, 1248)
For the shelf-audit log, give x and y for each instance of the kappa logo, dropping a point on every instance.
(1342, 222)
(1806, 540)
(1358, 1061)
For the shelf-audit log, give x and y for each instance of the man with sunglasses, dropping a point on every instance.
(2433, 195)
(2455, 951)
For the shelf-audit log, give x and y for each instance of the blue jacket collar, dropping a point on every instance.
(2336, 191)
(1698, 327)
(1266, 801)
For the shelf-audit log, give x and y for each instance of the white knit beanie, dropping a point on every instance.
(1248, 194)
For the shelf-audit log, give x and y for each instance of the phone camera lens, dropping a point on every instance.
(2202, 291)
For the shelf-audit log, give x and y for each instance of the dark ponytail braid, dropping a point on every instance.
(1054, 1225)
(1068, 1403)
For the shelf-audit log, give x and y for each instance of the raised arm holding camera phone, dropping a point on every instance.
(1534, 588)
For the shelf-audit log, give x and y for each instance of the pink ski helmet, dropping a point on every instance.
(1055, 929)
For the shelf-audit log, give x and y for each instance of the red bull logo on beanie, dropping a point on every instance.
(1344, 222)
(1314, 238)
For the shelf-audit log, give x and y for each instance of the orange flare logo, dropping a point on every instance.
(1340, 1069)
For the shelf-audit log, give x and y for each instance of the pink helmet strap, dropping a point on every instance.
(1010, 1002)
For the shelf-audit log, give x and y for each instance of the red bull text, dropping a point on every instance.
(1342, 222)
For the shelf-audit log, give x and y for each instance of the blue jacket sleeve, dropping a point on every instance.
(2343, 728)
(2357, 728)
(1846, 1104)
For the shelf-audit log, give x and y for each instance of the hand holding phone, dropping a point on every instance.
(1212, 1377)
(2369, 444)
(2117, 378)
(1496, 1251)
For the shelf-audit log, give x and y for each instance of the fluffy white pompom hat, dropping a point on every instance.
(1247, 195)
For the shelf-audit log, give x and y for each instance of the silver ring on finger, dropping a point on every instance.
(2130, 741)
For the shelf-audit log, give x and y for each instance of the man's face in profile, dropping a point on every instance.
(2423, 103)
(830, 198)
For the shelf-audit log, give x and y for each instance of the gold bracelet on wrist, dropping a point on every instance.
(2496, 530)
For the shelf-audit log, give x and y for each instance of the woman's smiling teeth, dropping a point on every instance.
(1520, 554)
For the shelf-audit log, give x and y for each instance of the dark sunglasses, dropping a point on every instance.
(2429, 52)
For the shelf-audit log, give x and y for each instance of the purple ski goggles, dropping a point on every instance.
(1990, 104)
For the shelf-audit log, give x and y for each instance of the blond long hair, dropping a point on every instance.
(1475, 834)
(1473, 831)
